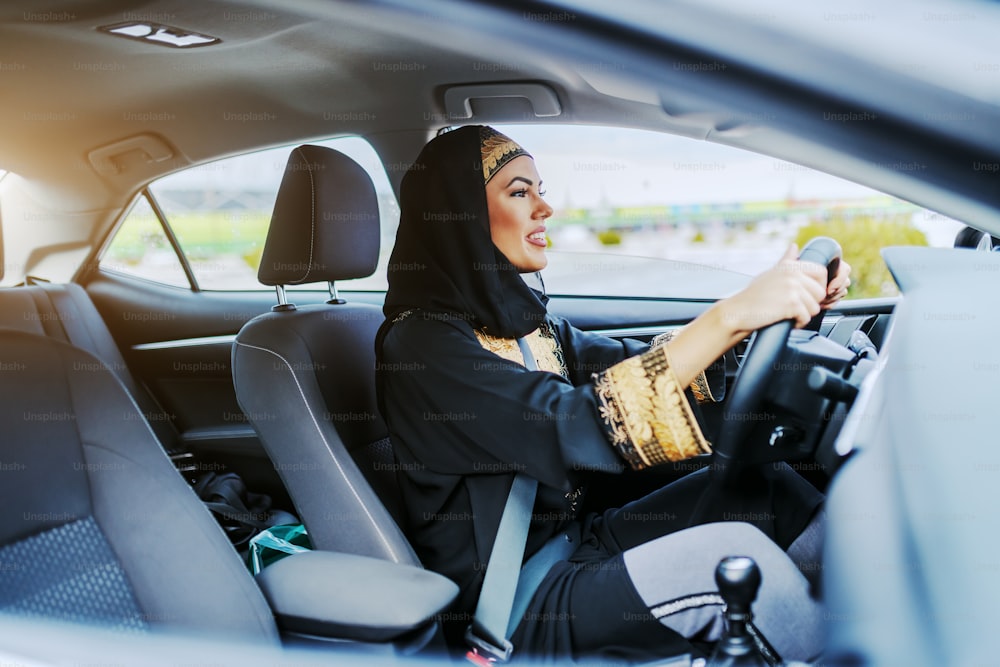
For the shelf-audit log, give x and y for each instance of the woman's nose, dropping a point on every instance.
(543, 210)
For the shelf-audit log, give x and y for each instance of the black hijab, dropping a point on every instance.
(444, 261)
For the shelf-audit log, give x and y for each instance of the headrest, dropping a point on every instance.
(325, 224)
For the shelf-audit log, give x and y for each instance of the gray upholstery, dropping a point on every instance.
(325, 221)
(305, 376)
(71, 574)
(66, 313)
(77, 451)
(306, 600)
(305, 386)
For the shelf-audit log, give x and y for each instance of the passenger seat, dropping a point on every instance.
(306, 374)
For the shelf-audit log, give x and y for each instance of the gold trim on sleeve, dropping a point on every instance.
(702, 392)
(699, 386)
(663, 338)
(648, 418)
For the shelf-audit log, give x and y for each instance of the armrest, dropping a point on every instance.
(338, 595)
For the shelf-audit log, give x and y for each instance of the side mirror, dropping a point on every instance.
(969, 237)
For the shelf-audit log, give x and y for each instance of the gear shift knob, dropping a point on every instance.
(738, 579)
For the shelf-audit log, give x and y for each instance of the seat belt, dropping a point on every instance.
(488, 636)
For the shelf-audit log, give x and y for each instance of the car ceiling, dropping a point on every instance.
(310, 69)
(306, 69)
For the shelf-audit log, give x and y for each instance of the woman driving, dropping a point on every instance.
(466, 414)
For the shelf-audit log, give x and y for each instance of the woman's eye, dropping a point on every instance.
(519, 193)
(542, 193)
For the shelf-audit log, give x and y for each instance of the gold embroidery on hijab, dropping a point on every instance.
(497, 150)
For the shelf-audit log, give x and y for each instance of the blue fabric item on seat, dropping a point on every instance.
(68, 573)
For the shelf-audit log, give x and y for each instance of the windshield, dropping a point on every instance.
(659, 215)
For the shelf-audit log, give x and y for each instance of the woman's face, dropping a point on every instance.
(518, 213)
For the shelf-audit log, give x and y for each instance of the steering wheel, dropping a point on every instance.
(750, 386)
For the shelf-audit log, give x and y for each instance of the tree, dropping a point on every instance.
(862, 237)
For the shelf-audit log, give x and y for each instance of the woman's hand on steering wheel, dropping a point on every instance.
(790, 290)
(837, 289)
(796, 289)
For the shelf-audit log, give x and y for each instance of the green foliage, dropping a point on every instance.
(609, 237)
(139, 234)
(862, 237)
(202, 235)
(252, 256)
(209, 234)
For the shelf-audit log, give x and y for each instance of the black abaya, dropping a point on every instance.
(465, 416)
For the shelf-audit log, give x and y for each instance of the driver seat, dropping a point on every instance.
(305, 375)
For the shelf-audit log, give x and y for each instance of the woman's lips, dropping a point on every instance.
(537, 238)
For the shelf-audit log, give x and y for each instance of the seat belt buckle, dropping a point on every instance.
(472, 655)
(483, 652)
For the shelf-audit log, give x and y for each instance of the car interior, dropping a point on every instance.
(118, 391)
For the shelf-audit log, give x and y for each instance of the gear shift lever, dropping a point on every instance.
(738, 579)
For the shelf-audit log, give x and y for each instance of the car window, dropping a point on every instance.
(219, 213)
(141, 248)
(636, 213)
(668, 216)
